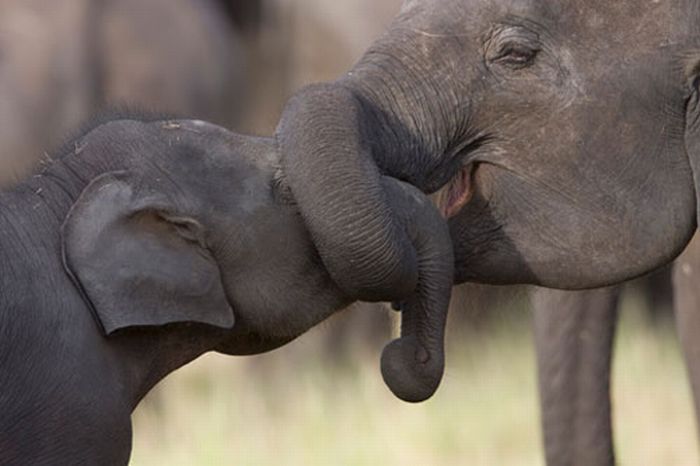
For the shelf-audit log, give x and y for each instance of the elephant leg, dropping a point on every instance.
(574, 332)
(686, 287)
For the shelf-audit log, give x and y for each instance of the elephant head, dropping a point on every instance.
(563, 135)
(183, 222)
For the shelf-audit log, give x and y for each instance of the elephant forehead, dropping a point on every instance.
(657, 21)
(635, 24)
(196, 153)
(194, 144)
(216, 143)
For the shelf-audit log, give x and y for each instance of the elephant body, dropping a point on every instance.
(147, 242)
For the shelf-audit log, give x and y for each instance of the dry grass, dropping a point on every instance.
(294, 408)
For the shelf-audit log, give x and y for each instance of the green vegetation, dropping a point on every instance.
(294, 407)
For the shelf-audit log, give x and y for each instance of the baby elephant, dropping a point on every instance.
(147, 242)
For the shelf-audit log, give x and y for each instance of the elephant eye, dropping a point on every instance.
(516, 55)
(512, 46)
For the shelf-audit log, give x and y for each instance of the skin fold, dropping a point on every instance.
(564, 136)
(147, 242)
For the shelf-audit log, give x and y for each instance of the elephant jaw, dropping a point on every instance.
(457, 193)
(246, 344)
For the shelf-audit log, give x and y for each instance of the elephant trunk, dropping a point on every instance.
(337, 139)
(413, 365)
(328, 162)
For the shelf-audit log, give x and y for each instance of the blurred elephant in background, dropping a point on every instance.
(61, 60)
(247, 15)
(574, 334)
(180, 56)
(129, 274)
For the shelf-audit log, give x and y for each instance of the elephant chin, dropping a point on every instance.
(250, 344)
(410, 372)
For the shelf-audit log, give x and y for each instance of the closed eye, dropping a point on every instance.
(516, 55)
(512, 46)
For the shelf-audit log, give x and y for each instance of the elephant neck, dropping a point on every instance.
(32, 212)
(31, 215)
(146, 356)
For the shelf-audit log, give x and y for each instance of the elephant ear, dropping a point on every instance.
(137, 261)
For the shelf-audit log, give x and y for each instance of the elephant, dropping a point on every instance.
(562, 139)
(62, 60)
(193, 62)
(149, 241)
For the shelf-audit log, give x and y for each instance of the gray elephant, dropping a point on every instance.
(564, 139)
(148, 242)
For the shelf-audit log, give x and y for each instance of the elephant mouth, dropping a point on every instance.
(458, 192)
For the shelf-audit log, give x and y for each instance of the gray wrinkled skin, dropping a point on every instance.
(146, 243)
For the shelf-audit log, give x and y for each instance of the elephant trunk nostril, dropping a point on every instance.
(412, 365)
(409, 370)
(422, 355)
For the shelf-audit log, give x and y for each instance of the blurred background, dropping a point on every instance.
(321, 399)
